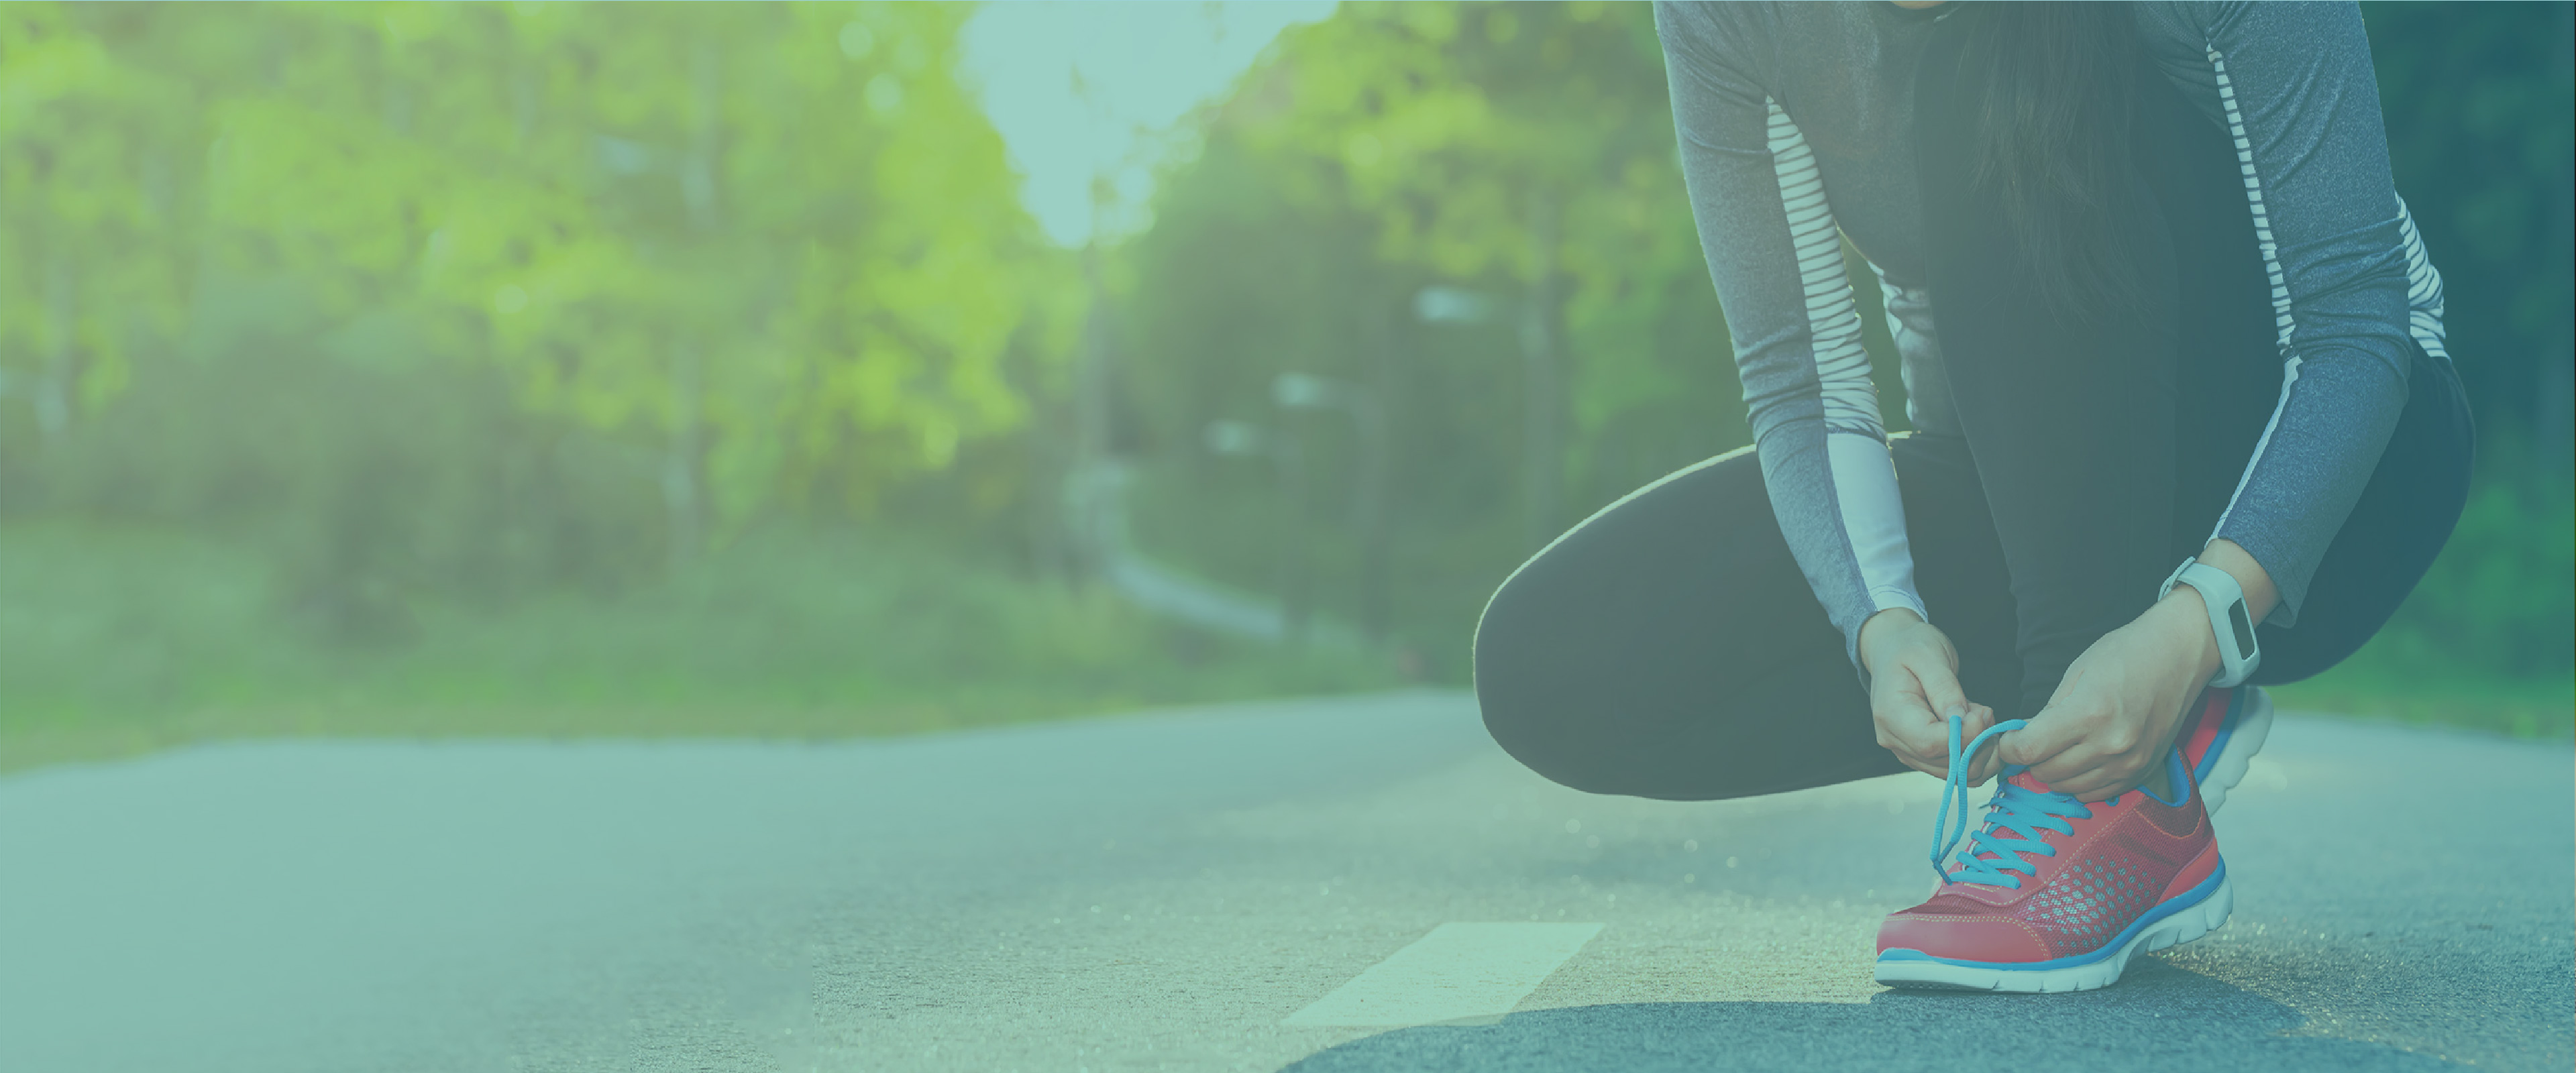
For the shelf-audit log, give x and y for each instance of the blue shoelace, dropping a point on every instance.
(1992, 859)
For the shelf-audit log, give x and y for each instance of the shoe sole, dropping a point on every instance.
(2238, 754)
(2186, 921)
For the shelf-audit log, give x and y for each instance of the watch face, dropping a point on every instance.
(2244, 629)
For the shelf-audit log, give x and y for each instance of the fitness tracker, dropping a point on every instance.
(2228, 618)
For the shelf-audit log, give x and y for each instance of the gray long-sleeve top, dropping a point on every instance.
(1794, 122)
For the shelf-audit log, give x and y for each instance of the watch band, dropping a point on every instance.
(2229, 619)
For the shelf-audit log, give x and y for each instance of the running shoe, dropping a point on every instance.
(2056, 894)
(2220, 736)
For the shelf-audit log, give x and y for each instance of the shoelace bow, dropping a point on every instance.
(1992, 860)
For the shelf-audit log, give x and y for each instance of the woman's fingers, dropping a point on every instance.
(1914, 694)
(2113, 717)
(1974, 719)
(2067, 765)
(1989, 761)
(1941, 688)
(2080, 744)
(1907, 727)
(2051, 733)
(2072, 755)
(2091, 771)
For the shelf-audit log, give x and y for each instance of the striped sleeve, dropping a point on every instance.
(2353, 294)
(1775, 255)
(2423, 288)
(1825, 293)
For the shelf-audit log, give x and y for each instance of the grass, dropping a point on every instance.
(114, 642)
(2521, 707)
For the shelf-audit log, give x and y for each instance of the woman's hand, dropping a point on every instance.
(2114, 715)
(1914, 689)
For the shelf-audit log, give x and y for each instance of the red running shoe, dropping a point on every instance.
(2220, 736)
(2055, 894)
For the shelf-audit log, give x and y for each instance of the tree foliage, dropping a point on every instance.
(2481, 106)
(774, 245)
(489, 297)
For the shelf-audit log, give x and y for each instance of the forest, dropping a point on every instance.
(433, 369)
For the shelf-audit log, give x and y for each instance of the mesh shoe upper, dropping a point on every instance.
(2117, 863)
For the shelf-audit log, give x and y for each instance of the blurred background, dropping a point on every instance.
(826, 369)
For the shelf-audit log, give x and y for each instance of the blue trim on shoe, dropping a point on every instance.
(2177, 778)
(2190, 899)
(2226, 729)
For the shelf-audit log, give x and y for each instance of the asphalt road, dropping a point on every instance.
(1164, 891)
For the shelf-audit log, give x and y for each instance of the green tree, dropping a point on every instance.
(2481, 107)
(778, 241)
(94, 222)
(1522, 142)
(1521, 151)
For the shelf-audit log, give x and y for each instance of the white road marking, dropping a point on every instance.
(1459, 972)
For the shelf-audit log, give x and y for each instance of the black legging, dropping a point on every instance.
(1669, 647)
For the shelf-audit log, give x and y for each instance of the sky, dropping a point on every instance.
(1144, 65)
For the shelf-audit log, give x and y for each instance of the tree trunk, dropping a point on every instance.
(1087, 496)
(1296, 580)
(684, 464)
(684, 485)
(1376, 527)
(54, 389)
(698, 173)
(1542, 380)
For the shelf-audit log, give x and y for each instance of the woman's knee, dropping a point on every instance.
(1531, 693)
(1558, 742)
(1593, 655)
(1507, 662)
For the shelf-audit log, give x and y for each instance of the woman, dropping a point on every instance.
(2183, 425)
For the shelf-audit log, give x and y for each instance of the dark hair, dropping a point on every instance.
(2059, 90)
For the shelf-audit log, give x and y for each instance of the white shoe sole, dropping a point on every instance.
(2238, 753)
(2188, 924)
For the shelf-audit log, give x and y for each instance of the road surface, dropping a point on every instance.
(1233, 888)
